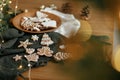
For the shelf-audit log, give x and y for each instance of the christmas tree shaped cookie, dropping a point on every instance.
(46, 40)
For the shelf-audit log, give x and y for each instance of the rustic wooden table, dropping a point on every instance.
(101, 21)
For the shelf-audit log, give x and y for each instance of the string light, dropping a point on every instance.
(2, 38)
(29, 73)
(16, 6)
(42, 7)
(20, 67)
(4, 4)
(119, 14)
(3, 41)
(0, 20)
(10, 2)
(26, 10)
(1, 9)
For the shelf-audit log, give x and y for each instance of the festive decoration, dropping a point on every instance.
(32, 57)
(16, 6)
(46, 40)
(2, 40)
(29, 73)
(41, 15)
(84, 14)
(3, 3)
(35, 53)
(5, 16)
(53, 6)
(116, 59)
(34, 37)
(45, 51)
(20, 67)
(85, 31)
(42, 7)
(66, 8)
(26, 10)
(29, 25)
(24, 43)
(40, 22)
(10, 2)
(62, 46)
(17, 57)
(30, 50)
(61, 56)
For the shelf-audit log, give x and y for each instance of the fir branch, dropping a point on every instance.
(100, 39)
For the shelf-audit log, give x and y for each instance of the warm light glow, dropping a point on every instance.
(26, 10)
(2, 41)
(16, 6)
(0, 20)
(42, 7)
(1, 8)
(116, 58)
(119, 14)
(10, 12)
(20, 67)
(10, 2)
(4, 4)
(29, 65)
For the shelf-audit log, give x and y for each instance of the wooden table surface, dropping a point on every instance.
(101, 21)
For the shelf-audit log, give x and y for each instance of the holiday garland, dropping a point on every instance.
(5, 16)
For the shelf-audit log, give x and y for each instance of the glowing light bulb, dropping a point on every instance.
(3, 41)
(1, 8)
(16, 6)
(4, 4)
(29, 65)
(26, 10)
(10, 2)
(42, 7)
(0, 20)
(20, 67)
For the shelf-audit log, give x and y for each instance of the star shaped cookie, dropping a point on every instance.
(34, 37)
(25, 43)
(17, 57)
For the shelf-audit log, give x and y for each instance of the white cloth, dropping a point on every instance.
(70, 25)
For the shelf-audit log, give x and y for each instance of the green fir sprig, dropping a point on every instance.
(5, 17)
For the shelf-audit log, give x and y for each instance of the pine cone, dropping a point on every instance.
(66, 8)
(84, 14)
